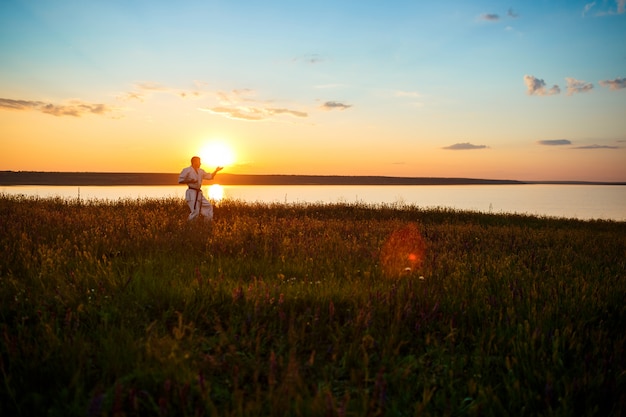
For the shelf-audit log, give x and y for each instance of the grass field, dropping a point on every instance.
(124, 308)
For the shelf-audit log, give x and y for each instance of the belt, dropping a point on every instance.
(198, 191)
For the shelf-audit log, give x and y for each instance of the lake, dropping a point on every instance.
(583, 202)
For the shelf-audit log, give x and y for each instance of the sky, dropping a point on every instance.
(524, 90)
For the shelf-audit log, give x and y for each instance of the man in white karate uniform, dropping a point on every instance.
(197, 202)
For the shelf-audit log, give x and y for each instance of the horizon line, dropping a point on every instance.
(10, 177)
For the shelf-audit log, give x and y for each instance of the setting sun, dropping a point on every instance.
(217, 154)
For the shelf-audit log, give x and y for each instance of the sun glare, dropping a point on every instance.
(217, 154)
(216, 192)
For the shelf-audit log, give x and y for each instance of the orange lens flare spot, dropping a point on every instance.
(403, 251)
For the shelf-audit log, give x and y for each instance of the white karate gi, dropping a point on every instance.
(197, 202)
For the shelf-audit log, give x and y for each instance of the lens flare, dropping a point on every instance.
(403, 252)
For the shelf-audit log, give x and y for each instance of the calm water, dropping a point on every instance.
(572, 201)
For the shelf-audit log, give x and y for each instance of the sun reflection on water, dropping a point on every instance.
(216, 192)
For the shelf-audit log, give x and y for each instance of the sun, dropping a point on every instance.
(216, 154)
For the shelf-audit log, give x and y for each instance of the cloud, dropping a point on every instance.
(74, 108)
(152, 86)
(620, 8)
(616, 84)
(596, 147)
(555, 142)
(412, 94)
(235, 96)
(537, 87)
(334, 105)
(190, 94)
(491, 17)
(9, 104)
(464, 146)
(131, 95)
(143, 90)
(241, 104)
(563, 142)
(512, 14)
(310, 59)
(494, 17)
(252, 113)
(588, 7)
(577, 86)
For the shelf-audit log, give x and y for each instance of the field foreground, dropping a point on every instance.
(124, 308)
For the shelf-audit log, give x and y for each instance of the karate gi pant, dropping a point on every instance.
(198, 205)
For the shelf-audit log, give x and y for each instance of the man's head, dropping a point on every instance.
(195, 162)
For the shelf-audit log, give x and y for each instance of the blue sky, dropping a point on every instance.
(527, 90)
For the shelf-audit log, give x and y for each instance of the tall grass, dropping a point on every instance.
(113, 308)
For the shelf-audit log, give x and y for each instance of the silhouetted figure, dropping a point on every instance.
(197, 202)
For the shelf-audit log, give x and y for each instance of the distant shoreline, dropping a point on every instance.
(9, 178)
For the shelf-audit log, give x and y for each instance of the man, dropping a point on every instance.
(197, 202)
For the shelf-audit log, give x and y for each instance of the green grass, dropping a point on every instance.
(123, 308)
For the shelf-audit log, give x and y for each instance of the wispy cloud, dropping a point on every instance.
(252, 113)
(131, 95)
(335, 105)
(464, 146)
(555, 142)
(242, 104)
(588, 7)
(236, 96)
(537, 87)
(615, 84)
(186, 94)
(411, 94)
(310, 59)
(142, 91)
(152, 86)
(619, 8)
(74, 108)
(490, 17)
(494, 17)
(565, 142)
(596, 147)
(414, 98)
(512, 14)
(577, 86)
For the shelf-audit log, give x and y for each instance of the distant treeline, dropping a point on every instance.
(115, 178)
